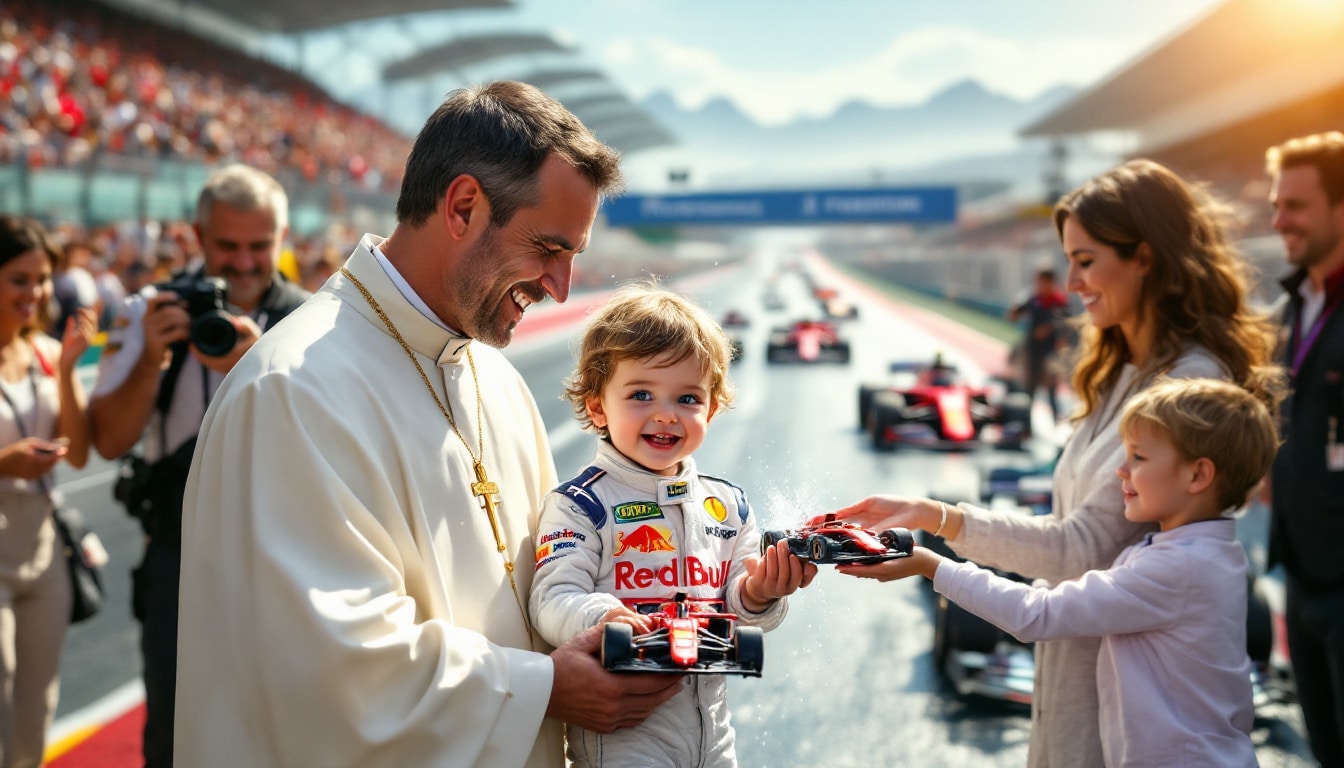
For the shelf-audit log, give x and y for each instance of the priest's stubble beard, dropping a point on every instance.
(483, 286)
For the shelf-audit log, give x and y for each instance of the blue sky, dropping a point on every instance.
(779, 60)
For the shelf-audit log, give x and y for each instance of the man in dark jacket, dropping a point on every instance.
(1308, 475)
(169, 348)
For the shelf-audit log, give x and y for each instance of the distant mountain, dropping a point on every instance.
(861, 141)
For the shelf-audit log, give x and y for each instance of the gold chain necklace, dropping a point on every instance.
(483, 487)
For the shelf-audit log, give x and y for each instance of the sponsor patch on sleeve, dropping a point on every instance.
(555, 543)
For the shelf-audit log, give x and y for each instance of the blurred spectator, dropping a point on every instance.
(111, 292)
(326, 265)
(1045, 309)
(73, 286)
(136, 277)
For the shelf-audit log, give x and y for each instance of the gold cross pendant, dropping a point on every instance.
(487, 490)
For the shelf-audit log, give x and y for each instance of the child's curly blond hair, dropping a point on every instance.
(645, 322)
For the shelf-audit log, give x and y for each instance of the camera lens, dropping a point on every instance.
(213, 334)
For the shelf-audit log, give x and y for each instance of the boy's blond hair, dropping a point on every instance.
(645, 322)
(1215, 420)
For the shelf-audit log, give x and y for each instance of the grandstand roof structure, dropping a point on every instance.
(610, 114)
(465, 51)
(297, 16)
(546, 79)
(1246, 62)
(598, 101)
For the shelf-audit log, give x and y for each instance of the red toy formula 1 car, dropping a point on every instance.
(807, 341)
(825, 539)
(689, 637)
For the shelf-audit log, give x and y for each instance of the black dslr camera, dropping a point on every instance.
(212, 329)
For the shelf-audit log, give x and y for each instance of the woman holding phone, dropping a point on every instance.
(42, 421)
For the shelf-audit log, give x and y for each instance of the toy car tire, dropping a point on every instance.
(898, 539)
(618, 644)
(749, 647)
(819, 549)
(771, 538)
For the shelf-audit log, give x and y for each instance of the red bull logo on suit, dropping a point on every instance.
(646, 538)
(632, 576)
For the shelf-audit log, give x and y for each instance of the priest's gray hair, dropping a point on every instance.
(243, 188)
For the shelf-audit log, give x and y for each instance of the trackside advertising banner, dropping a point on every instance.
(922, 205)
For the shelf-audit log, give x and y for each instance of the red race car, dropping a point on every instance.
(689, 637)
(824, 539)
(807, 341)
(933, 405)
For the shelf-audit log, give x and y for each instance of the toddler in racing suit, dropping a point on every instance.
(642, 523)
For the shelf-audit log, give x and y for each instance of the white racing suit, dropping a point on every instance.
(619, 532)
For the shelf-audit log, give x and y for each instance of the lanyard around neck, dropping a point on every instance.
(1304, 344)
(18, 417)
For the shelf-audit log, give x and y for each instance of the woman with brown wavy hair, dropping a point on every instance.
(1165, 294)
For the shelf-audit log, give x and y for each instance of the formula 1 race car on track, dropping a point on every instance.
(807, 341)
(933, 405)
(735, 318)
(688, 637)
(824, 539)
(839, 309)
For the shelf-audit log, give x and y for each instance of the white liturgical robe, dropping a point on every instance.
(343, 602)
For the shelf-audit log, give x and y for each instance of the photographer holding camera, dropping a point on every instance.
(168, 351)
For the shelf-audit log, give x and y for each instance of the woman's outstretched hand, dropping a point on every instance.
(878, 513)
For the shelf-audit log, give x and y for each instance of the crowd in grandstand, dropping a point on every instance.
(80, 80)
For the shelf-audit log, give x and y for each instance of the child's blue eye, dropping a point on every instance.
(688, 400)
(641, 395)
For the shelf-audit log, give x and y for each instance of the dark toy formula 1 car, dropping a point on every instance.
(824, 539)
(807, 341)
(932, 405)
(689, 637)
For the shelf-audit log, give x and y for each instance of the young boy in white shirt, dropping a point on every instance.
(643, 524)
(1173, 674)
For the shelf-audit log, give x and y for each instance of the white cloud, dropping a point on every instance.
(909, 69)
